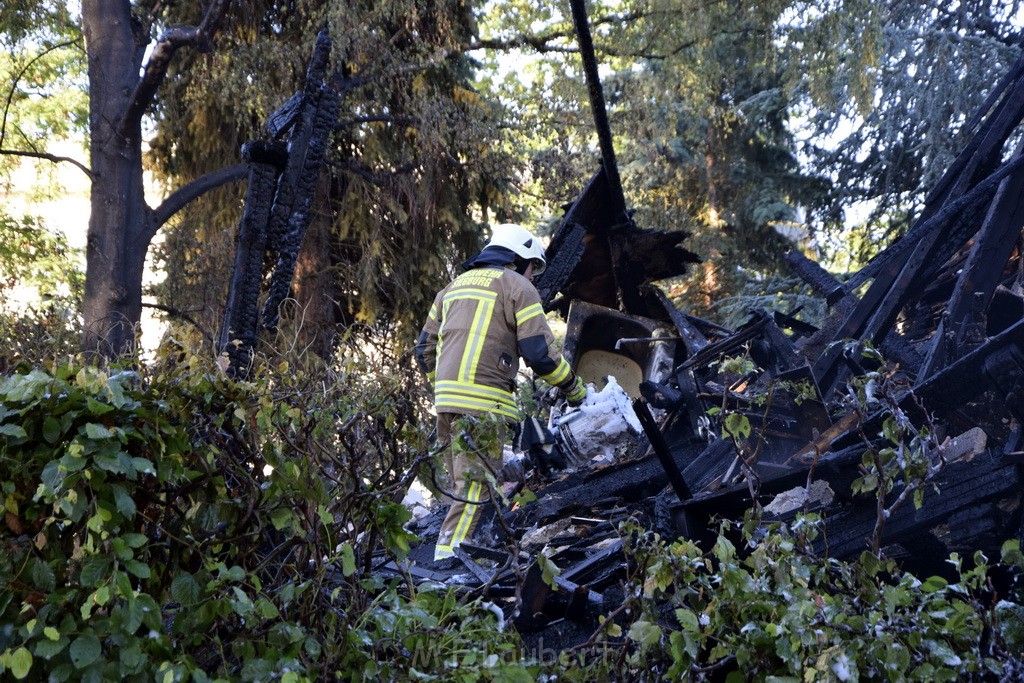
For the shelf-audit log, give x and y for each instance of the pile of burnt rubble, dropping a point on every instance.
(944, 304)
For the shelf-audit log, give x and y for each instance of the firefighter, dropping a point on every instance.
(477, 329)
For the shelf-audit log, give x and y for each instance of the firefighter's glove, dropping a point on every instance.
(514, 470)
(576, 393)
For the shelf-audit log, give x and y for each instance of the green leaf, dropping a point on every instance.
(95, 570)
(137, 568)
(281, 518)
(136, 612)
(53, 475)
(61, 673)
(131, 657)
(125, 503)
(143, 465)
(185, 589)
(121, 549)
(645, 633)
(150, 611)
(20, 662)
(524, 497)
(688, 620)
(98, 408)
(42, 575)
(18, 432)
(737, 426)
(266, 609)
(51, 633)
(1011, 553)
(242, 604)
(85, 650)
(48, 648)
(51, 429)
(97, 431)
(549, 572)
(135, 540)
(72, 461)
(348, 559)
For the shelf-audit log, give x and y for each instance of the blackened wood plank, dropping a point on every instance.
(984, 267)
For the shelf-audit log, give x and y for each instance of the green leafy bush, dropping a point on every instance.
(167, 523)
(765, 609)
(40, 291)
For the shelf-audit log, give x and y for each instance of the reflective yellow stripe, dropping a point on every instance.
(474, 397)
(460, 404)
(433, 312)
(475, 343)
(468, 514)
(470, 293)
(482, 391)
(559, 375)
(528, 313)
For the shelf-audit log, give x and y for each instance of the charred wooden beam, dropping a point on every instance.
(993, 124)
(660, 448)
(599, 112)
(277, 207)
(240, 327)
(585, 276)
(983, 270)
(959, 488)
(817, 277)
(293, 202)
(957, 383)
(692, 337)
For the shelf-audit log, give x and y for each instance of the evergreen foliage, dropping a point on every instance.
(411, 165)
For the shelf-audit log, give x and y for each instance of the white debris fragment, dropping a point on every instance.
(418, 500)
(602, 427)
(794, 499)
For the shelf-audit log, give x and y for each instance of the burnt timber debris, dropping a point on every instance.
(944, 304)
(283, 170)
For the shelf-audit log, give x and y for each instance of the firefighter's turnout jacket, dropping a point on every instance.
(477, 328)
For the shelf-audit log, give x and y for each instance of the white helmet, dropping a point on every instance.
(521, 241)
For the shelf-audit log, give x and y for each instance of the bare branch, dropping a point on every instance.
(199, 37)
(17, 77)
(379, 118)
(378, 179)
(176, 313)
(197, 188)
(544, 42)
(49, 157)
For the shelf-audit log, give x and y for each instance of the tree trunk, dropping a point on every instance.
(315, 280)
(119, 226)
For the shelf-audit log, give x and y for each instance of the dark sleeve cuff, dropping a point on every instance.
(534, 351)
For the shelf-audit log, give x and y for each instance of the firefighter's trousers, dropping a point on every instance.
(473, 452)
